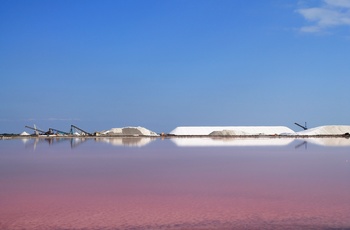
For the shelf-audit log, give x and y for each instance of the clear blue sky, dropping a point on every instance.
(162, 64)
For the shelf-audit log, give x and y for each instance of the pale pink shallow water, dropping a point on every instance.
(97, 185)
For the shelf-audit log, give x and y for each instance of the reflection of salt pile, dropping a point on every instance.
(25, 140)
(127, 141)
(231, 130)
(330, 141)
(201, 142)
(129, 131)
(327, 130)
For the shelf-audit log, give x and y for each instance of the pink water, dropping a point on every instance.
(96, 185)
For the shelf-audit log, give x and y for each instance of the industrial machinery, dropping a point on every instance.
(303, 127)
(58, 131)
(81, 132)
(38, 131)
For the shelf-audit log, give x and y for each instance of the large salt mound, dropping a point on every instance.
(240, 130)
(129, 131)
(327, 130)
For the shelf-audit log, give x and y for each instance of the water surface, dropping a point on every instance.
(183, 183)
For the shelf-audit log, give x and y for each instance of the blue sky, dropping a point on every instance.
(162, 64)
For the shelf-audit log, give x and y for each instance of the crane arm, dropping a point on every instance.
(58, 131)
(35, 129)
(303, 127)
(75, 127)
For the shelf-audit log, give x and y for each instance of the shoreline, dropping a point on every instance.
(170, 136)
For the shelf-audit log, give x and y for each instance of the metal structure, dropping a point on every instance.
(82, 132)
(58, 131)
(38, 131)
(303, 127)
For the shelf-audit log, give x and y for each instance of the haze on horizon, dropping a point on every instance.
(163, 64)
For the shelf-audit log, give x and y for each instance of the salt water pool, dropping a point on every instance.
(177, 183)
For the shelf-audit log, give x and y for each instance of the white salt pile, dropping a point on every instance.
(130, 131)
(231, 130)
(24, 134)
(326, 130)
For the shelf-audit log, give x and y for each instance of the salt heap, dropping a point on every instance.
(24, 134)
(327, 130)
(129, 131)
(230, 130)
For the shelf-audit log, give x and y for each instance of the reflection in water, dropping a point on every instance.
(25, 140)
(33, 143)
(304, 143)
(330, 141)
(192, 142)
(161, 186)
(126, 141)
(202, 142)
(75, 142)
(187, 142)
